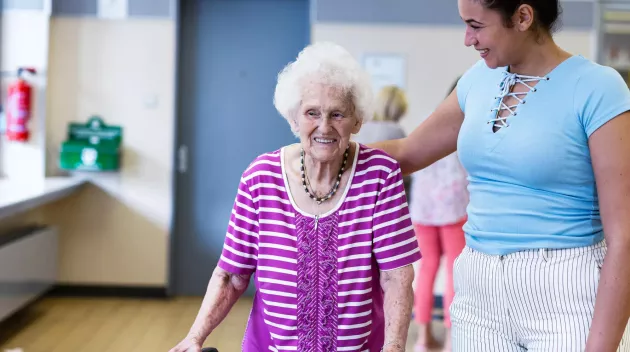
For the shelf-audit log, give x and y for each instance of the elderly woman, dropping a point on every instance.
(323, 223)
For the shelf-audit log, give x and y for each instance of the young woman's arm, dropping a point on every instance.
(434, 139)
(610, 154)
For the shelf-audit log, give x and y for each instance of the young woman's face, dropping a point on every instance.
(497, 44)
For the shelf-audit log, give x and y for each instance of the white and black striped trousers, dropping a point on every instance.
(538, 300)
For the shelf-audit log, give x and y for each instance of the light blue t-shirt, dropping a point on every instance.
(532, 184)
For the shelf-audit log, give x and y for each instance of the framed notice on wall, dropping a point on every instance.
(112, 9)
(385, 69)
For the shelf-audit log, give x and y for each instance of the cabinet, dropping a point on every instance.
(28, 266)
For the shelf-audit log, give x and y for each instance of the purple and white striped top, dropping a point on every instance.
(317, 277)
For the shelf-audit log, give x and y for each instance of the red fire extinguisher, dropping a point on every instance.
(19, 107)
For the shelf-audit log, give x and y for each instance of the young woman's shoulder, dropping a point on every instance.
(600, 94)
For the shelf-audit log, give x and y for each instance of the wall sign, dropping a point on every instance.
(113, 9)
(385, 69)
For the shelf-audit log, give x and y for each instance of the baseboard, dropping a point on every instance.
(108, 291)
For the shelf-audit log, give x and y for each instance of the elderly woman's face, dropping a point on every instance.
(325, 121)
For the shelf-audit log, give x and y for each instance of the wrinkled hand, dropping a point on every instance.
(188, 344)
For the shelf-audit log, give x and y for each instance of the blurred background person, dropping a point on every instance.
(438, 211)
(389, 107)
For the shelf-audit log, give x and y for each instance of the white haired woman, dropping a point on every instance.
(323, 223)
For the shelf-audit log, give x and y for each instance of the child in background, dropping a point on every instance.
(438, 210)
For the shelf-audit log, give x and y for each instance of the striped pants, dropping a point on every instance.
(539, 300)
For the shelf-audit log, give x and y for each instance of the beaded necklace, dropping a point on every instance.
(332, 192)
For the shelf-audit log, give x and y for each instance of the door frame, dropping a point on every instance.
(171, 252)
(176, 6)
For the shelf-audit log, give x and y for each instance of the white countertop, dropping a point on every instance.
(19, 196)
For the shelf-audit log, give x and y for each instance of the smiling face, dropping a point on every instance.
(486, 31)
(325, 121)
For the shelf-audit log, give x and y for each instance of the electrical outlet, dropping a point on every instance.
(113, 9)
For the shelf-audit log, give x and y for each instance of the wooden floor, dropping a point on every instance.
(117, 325)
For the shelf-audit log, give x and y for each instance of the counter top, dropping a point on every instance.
(20, 196)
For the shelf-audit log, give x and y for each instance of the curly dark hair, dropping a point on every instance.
(546, 12)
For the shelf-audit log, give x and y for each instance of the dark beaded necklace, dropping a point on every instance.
(335, 186)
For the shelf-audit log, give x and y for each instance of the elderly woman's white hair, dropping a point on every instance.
(329, 64)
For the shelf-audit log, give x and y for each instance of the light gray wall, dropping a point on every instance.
(74, 7)
(22, 4)
(137, 8)
(150, 8)
(576, 14)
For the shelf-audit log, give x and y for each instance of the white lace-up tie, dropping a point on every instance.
(510, 80)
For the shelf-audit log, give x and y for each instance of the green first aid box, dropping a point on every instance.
(92, 146)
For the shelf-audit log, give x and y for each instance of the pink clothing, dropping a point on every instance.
(435, 241)
(438, 193)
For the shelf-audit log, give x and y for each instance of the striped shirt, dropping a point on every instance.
(317, 277)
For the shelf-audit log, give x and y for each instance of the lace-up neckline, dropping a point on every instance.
(508, 82)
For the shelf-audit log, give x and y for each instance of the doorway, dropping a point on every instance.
(230, 52)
